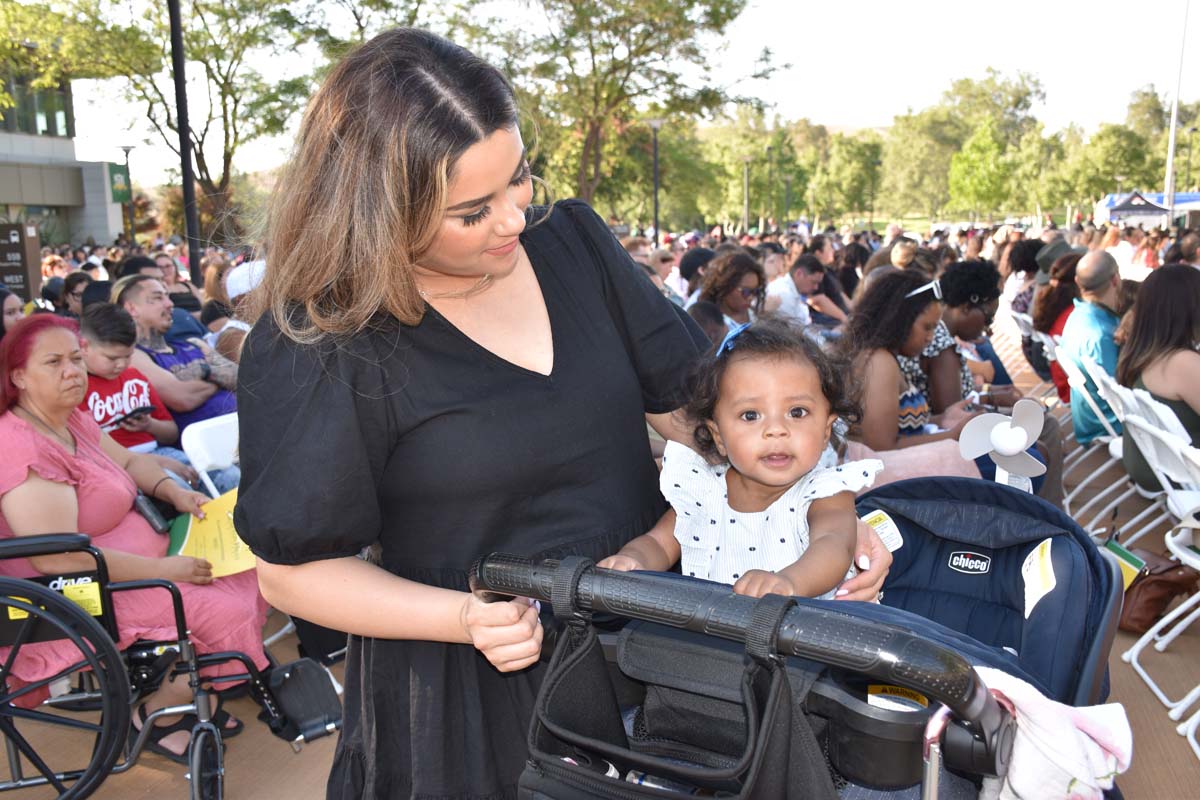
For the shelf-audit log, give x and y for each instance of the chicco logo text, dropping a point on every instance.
(970, 563)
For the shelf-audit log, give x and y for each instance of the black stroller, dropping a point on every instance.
(79, 733)
(711, 693)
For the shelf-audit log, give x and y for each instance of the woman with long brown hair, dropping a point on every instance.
(441, 370)
(1051, 308)
(1160, 355)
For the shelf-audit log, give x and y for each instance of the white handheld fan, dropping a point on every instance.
(1005, 441)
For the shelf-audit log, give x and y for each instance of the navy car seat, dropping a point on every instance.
(1007, 569)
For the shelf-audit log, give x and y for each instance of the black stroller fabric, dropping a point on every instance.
(723, 725)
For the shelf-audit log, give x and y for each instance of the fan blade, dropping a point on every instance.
(975, 439)
(1029, 416)
(1020, 464)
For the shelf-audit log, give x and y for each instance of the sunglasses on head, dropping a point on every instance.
(934, 285)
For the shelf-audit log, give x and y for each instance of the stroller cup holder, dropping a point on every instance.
(978, 733)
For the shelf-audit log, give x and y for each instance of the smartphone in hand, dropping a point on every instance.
(140, 411)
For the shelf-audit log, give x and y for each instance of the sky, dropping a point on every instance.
(853, 65)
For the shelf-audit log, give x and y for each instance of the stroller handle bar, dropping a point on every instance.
(879, 650)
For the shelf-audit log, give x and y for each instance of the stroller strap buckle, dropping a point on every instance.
(562, 591)
(763, 632)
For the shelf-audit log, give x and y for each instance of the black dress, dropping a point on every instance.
(421, 440)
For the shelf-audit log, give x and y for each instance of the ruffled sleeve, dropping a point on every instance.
(696, 490)
(26, 451)
(853, 476)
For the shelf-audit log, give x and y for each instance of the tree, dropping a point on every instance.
(50, 47)
(1007, 102)
(1147, 115)
(916, 160)
(979, 173)
(596, 61)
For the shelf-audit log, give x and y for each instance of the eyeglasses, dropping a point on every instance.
(750, 294)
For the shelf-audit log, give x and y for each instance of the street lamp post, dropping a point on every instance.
(190, 215)
(787, 201)
(745, 193)
(1191, 137)
(1120, 180)
(127, 208)
(770, 187)
(655, 124)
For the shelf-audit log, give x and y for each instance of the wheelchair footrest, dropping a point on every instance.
(307, 701)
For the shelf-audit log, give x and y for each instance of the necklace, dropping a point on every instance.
(35, 419)
(479, 286)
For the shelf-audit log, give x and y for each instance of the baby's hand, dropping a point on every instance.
(621, 563)
(757, 582)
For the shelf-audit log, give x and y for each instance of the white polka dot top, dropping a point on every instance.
(721, 544)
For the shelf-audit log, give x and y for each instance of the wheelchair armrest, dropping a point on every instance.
(44, 544)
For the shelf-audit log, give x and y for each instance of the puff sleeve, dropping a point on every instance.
(853, 476)
(315, 437)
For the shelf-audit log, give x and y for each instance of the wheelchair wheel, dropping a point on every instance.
(206, 766)
(52, 741)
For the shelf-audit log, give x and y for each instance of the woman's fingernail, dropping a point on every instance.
(864, 562)
(842, 592)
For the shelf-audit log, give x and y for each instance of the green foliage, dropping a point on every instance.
(592, 62)
(979, 173)
(916, 160)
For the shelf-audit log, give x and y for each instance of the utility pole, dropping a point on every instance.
(190, 215)
(745, 193)
(128, 209)
(655, 124)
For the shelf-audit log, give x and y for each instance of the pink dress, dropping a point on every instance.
(227, 614)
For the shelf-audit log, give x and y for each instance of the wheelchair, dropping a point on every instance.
(84, 710)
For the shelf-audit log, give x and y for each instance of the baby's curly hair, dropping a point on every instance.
(767, 338)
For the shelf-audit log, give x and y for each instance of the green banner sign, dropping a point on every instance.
(118, 183)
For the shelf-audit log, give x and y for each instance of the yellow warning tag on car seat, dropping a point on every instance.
(896, 698)
(887, 529)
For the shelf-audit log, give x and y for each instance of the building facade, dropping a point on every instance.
(41, 181)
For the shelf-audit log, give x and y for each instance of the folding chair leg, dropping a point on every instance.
(1108, 509)
(337, 687)
(1154, 523)
(1099, 496)
(290, 627)
(1189, 729)
(1163, 641)
(1130, 656)
(1177, 712)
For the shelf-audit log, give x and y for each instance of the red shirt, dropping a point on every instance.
(108, 400)
(1056, 372)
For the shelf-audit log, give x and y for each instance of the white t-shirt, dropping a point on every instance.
(792, 304)
(720, 544)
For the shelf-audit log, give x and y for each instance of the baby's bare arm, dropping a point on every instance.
(832, 534)
(655, 550)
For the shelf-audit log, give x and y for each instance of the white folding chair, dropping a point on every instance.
(1109, 439)
(1172, 459)
(211, 444)
(1124, 402)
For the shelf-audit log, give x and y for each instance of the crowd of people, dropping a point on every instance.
(502, 377)
(102, 373)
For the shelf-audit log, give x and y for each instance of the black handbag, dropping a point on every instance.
(703, 725)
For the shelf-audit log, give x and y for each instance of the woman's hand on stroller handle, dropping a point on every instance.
(508, 634)
(871, 551)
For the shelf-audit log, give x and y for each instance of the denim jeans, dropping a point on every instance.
(224, 479)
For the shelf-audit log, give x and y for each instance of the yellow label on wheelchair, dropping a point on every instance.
(83, 589)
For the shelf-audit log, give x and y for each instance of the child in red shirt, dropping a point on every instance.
(116, 389)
